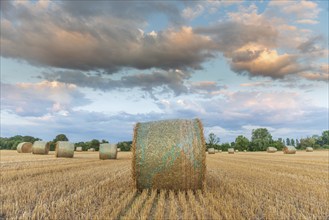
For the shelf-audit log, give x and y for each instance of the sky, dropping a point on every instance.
(92, 70)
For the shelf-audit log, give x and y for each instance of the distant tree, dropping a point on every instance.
(297, 143)
(94, 144)
(125, 145)
(292, 142)
(59, 137)
(325, 137)
(278, 144)
(261, 139)
(225, 146)
(288, 141)
(213, 141)
(241, 143)
(104, 141)
(307, 142)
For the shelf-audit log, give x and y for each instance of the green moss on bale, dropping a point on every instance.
(169, 154)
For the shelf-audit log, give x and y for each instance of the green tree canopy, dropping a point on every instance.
(261, 139)
(241, 143)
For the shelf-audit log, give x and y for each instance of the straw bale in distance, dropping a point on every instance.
(91, 149)
(271, 150)
(108, 151)
(289, 150)
(220, 151)
(64, 149)
(24, 147)
(230, 150)
(78, 149)
(118, 149)
(309, 149)
(169, 154)
(236, 151)
(245, 151)
(216, 151)
(40, 147)
(211, 151)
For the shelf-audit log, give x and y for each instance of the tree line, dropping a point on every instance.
(260, 140)
(12, 142)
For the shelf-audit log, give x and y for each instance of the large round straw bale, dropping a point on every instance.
(230, 150)
(216, 151)
(64, 149)
(309, 149)
(211, 150)
(40, 147)
(236, 151)
(169, 154)
(107, 151)
(91, 149)
(271, 150)
(245, 151)
(24, 147)
(289, 150)
(78, 149)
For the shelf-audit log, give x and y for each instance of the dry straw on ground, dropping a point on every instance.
(108, 151)
(78, 149)
(230, 150)
(309, 149)
(24, 147)
(40, 147)
(289, 150)
(64, 149)
(169, 154)
(211, 151)
(271, 150)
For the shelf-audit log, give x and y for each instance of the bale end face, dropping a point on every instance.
(230, 150)
(108, 151)
(169, 154)
(24, 147)
(211, 151)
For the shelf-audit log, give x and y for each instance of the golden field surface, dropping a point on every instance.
(252, 185)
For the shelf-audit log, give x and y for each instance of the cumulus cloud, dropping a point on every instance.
(58, 37)
(39, 99)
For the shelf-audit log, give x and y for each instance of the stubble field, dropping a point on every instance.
(240, 186)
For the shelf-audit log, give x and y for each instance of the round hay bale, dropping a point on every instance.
(169, 154)
(107, 151)
(236, 151)
(40, 147)
(91, 149)
(289, 150)
(211, 150)
(64, 149)
(118, 149)
(230, 150)
(216, 151)
(245, 151)
(271, 150)
(309, 149)
(24, 147)
(220, 151)
(78, 149)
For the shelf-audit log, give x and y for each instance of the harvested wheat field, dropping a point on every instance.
(238, 186)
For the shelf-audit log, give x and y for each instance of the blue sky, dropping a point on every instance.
(92, 70)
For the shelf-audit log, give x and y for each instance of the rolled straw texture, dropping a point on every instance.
(169, 154)
(211, 151)
(64, 149)
(107, 151)
(309, 149)
(271, 150)
(230, 150)
(24, 147)
(40, 147)
(289, 150)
